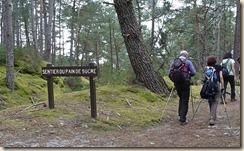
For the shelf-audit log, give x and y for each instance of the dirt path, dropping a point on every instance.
(167, 133)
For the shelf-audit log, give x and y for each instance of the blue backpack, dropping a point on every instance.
(210, 86)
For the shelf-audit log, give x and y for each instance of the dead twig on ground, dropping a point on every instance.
(34, 105)
(32, 100)
(128, 102)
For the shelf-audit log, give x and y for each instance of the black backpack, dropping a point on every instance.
(210, 86)
(178, 72)
(225, 71)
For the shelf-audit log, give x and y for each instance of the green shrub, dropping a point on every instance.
(76, 83)
(2, 55)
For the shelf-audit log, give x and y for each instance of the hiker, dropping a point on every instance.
(231, 78)
(182, 85)
(213, 100)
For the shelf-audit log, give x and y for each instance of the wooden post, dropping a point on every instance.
(50, 90)
(93, 94)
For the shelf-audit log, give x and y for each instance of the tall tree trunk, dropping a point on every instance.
(152, 30)
(224, 31)
(60, 34)
(198, 34)
(205, 29)
(77, 37)
(41, 26)
(16, 24)
(45, 57)
(97, 48)
(26, 23)
(8, 41)
(237, 40)
(215, 26)
(138, 53)
(139, 11)
(54, 36)
(72, 37)
(117, 50)
(48, 32)
(111, 45)
(33, 26)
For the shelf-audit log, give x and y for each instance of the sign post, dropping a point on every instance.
(93, 94)
(49, 71)
(50, 90)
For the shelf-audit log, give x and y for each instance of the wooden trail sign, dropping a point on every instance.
(49, 71)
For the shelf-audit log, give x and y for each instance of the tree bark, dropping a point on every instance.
(8, 41)
(111, 45)
(152, 30)
(198, 34)
(237, 41)
(48, 32)
(26, 22)
(137, 51)
(72, 36)
(33, 27)
(41, 26)
(54, 36)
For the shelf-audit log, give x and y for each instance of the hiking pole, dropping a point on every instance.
(192, 102)
(168, 99)
(194, 113)
(228, 119)
(238, 93)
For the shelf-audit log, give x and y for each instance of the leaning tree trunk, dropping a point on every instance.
(137, 51)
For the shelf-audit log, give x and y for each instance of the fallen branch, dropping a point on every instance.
(34, 105)
(128, 102)
(119, 127)
(32, 100)
(18, 71)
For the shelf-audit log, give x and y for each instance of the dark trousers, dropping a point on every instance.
(231, 80)
(183, 91)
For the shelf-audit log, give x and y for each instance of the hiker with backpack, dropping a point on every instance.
(180, 72)
(212, 87)
(229, 75)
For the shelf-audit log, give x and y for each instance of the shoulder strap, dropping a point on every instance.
(226, 63)
(184, 60)
(211, 76)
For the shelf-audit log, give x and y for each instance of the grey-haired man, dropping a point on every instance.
(183, 88)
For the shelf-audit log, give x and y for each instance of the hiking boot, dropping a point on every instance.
(211, 122)
(183, 123)
(232, 100)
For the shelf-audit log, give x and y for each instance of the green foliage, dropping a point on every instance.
(125, 75)
(28, 89)
(168, 82)
(24, 62)
(76, 83)
(198, 76)
(238, 82)
(2, 55)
